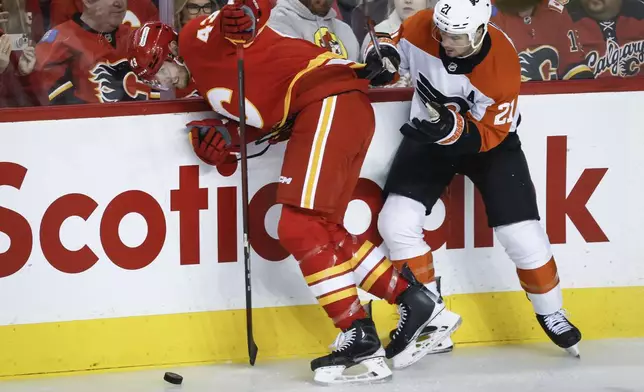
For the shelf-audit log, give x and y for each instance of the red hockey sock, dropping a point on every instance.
(313, 242)
(376, 274)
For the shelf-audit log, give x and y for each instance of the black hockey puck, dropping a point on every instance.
(173, 378)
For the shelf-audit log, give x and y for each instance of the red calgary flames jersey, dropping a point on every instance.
(612, 47)
(282, 75)
(138, 11)
(546, 42)
(78, 65)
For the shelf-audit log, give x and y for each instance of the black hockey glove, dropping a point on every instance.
(383, 72)
(444, 126)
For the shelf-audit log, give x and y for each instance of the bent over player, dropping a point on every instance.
(464, 118)
(296, 89)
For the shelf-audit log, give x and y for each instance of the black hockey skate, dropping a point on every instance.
(358, 345)
(561, 331)
(417, 307)
(435, 325)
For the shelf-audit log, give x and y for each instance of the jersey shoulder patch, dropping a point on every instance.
(50, 36)
(61, 32)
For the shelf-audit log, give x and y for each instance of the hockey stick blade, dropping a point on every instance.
(252, 347)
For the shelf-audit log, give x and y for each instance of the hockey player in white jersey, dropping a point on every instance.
(464, 119)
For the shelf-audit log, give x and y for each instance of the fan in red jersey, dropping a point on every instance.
(138, 11)
(543, 34)
(84, 60)
(611, 34)
(296, 89)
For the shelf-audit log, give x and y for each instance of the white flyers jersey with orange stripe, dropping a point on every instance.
(484, 87)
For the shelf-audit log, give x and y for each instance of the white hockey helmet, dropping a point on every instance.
(463, 17)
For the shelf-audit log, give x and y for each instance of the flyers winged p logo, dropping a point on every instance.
(428, 93)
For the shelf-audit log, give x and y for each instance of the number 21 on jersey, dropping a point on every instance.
(219, 95)
(506, 115)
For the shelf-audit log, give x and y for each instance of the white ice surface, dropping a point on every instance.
(607, 365)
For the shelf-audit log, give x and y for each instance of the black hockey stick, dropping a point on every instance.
(252, 347)
(371, 32)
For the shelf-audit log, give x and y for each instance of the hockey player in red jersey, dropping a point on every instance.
(163, 44)
(295, 88)
(464, 117)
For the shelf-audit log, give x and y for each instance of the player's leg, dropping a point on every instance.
(323, 168)
(418, 176)
(373, 270)
(416, 180)
(503, 177)
(320, 163)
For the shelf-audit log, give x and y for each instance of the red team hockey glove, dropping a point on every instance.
(215, 141)
(239, 22)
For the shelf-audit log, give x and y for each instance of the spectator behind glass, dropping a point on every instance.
(543, 34)
(84, 60)
(137, 13)
(187, 10)
(315, 21)
(378, 10)
(22, 17)
(344, 8)
(400, 10)
(611, 35)
(17, 55)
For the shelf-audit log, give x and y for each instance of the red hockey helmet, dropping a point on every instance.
(150, 47)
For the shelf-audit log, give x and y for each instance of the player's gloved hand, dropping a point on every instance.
(238, 22)
(215, 141)
(444, 126)
(382, 72)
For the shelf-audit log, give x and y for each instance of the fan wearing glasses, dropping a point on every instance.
(187, 10)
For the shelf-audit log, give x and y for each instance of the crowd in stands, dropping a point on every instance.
(55, 52)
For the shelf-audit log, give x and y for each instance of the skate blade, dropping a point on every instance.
(441, 349)
(377, 372)
(573, 350)
(446, 346)
(416, 350)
